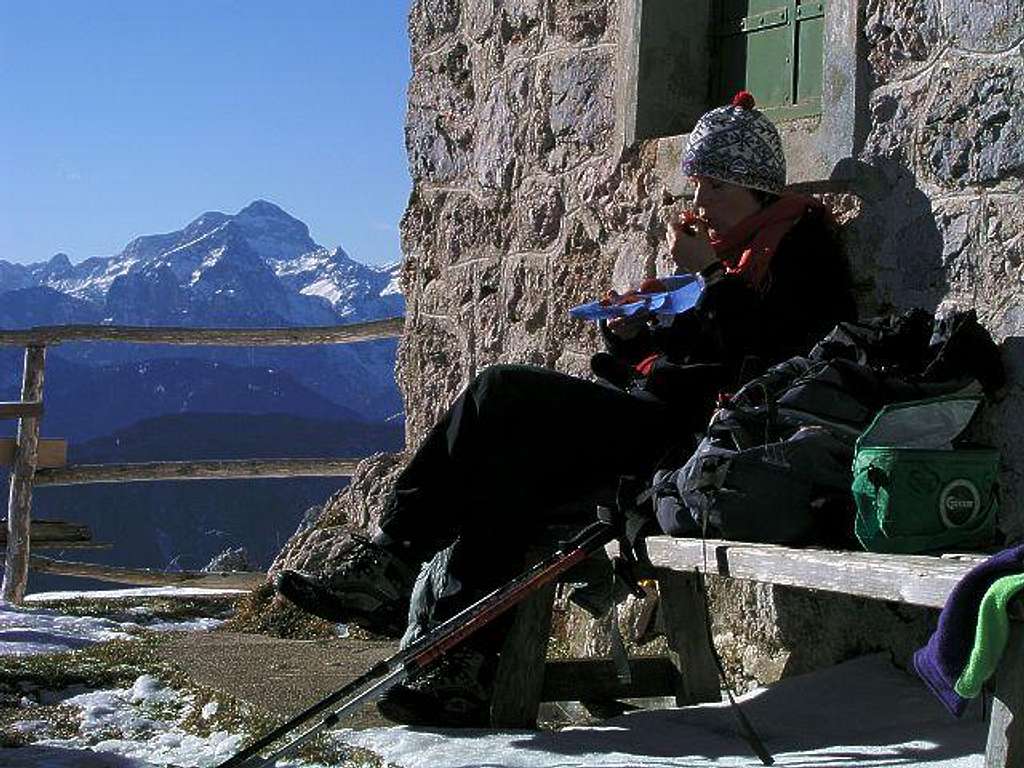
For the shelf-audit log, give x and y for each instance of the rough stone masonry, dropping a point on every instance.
(524, 203)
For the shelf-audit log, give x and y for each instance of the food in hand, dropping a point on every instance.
(647, 287)
(690, 222)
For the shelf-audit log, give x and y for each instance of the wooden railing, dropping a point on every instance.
(26, 472)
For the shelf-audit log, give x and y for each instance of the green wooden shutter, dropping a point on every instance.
(772, 48)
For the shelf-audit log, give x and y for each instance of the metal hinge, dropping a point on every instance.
(806, 11)
(776, 17)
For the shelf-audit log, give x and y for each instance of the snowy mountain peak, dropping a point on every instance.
(271, 232)
(264, 209)
(59, 261)
(258, 266)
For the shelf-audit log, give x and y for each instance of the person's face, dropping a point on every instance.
(721, 204)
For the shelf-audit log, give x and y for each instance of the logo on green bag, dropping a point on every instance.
(959, 503)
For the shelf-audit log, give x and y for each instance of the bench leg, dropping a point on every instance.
(1005, 748)
(685, 621)
(520, 675)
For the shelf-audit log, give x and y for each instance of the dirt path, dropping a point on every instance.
(280, 677)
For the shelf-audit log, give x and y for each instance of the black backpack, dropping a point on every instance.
(775, 464)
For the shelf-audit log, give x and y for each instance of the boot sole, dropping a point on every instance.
(311, 598)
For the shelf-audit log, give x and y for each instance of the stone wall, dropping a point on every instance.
(945, 147)
(524, 203)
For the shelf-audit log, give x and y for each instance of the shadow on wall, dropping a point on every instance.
(894, 244)
(1001, 426)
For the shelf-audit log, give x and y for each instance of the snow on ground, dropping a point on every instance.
(105, 594)
(129, 727)
(30, 631)
(862, 713)
(137, 727)
(34, 631)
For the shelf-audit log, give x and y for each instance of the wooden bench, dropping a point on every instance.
(689, 674)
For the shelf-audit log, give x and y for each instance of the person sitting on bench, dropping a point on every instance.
(524, 446)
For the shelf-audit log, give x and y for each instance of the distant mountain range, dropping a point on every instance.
(127, 402)
(258, 268)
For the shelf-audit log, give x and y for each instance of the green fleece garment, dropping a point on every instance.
(990, 636)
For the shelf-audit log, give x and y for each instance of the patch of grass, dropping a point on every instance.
(144, 610)
(107, 665)
(33, 687)
(263, 612)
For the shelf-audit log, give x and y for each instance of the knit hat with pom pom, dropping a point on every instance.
(739, 145)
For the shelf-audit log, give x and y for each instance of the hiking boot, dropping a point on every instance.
(454, 693)
(369, 588)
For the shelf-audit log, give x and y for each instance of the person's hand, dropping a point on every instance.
(689, 244)
(628, 327)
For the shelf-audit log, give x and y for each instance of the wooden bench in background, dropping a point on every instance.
(525, 677)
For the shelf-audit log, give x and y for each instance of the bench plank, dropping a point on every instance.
(913, 579)
(595, 679)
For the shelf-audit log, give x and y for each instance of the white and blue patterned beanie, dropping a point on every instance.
(739, 145)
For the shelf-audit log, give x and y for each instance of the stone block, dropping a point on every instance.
(579, 273)
(432, 373)
(973, 130)
(526, 291)
(985, 26)
(438, 148)
(1000, 258)
(580, 21)
(538, 209)
(490, 313)
(507, 30)
(432, 20)
(519, 20)
(893, 111)
(900, 240)
(440, 120)
(902, 36)
(581, 112)
(525, 298)
(468, 228)
(495, 159)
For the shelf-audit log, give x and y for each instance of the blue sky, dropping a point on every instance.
(129, 117)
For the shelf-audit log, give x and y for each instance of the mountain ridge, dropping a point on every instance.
(256, 268)
(261, 257)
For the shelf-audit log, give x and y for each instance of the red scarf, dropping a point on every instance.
(748, 247)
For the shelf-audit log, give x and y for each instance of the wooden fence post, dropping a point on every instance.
(19, 505)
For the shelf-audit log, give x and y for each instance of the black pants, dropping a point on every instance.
(520, 448)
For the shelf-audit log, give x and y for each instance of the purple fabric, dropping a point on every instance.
(943, 659)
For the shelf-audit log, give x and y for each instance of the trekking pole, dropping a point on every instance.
(386, 674)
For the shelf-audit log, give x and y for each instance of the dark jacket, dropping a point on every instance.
(735, 332)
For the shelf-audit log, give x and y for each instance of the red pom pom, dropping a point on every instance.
(743, 99)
